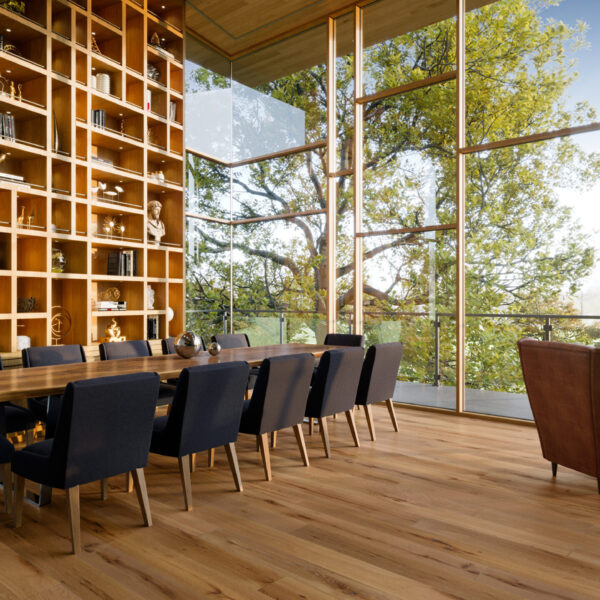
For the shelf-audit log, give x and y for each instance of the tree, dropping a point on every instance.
(525, 251)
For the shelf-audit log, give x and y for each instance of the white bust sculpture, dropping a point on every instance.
(150, 292)
(156, 228)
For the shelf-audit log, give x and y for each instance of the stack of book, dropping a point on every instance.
(108, 305)
(99, 118)
(7, 127)
(152, 323)
(122, 262)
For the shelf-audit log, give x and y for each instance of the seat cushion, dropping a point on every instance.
(6, 450)
(33, 463)
(17, 418)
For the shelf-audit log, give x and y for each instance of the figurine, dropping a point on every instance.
(156, 228)
(151, 293)
(12, 90)
(113, 332)
(20, 94)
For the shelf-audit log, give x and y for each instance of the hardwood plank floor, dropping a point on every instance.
(446, 508)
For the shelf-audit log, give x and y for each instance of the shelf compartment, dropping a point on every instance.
(61, 58)
(5, 295)
(75, 254)
(61, 216)
(61, 177)
(131, 292)
(32, 81)
(5, 251)
(109, 11)
(157, 263)
(29, 42)
(36, 329)
(168, 11)
(61, 19)
(81, 30)
(172, 216)
(81, 219)
(157, 102)
(172, 169)
(71, 295)
(176, 78)
(176, 325)
(100, 68)
(134, 91)
(134, 40)
(61, 114)
(171, 42)
(175, 265)
(34, 12)
(160, 298)
(133, 224)
(31, 253)
(100, 255)
(31, 212)
(130, 199)
(176, 141)
(5, 209)
(119, 157)
(24, 163)
(32, 287)
(132, 327)
(81, 67)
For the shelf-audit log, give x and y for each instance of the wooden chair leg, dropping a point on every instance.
(128, 483)
(273, 439)
(193, 463)
(29, 437)
(370, 423)
(211, 457)
(257, 443)
(310, 426)
(325, 436)
(352, 424)
(186, 482)
(301, 444)
(142, 493)
(390, 405)
(19, 497)
(263, 440)
(334, 416)
(233, 465)
(74, 518)
(554, 469)
(8, 491)
(104, 489)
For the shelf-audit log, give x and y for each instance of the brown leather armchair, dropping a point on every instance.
(563, 385)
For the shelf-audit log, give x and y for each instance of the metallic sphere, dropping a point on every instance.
(187, 344)
(214, 348)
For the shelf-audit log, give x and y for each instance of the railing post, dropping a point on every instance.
(350, 323)
(437, 324)
(225, 322)
(547, 330)
(281, 327)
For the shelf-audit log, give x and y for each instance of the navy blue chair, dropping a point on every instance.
(104, 429)
(205, 413)
(278, 401)
(136, 349)
(47, 408)
(6, 453)
(14, 418)
(227, 341)
(345, 339)
(334, 390)
(378, 380)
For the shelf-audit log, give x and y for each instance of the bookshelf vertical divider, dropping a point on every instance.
(87, 140)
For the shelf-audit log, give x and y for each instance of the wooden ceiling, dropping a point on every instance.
(271, 38)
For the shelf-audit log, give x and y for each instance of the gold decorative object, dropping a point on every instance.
(155, 227)
(59, 262)
(31, 218)
(60, 323)
(12, 89)
(95, 46)
(25, 305)
(113, 333)
(111, 294)
(155, 40)
(113, 225)
(21, 217)
(20, 89)
(12, 49)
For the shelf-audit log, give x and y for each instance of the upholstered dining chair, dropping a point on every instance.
(136, 349)
(228, 341)
(6, 453)
(378, 380)
(344, 339)
(15, 418)
(278, 402)
(334, 389)
(47, 408)
(104, 429)
(563, 386)
(205, 413)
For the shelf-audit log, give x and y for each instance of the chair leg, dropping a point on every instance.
(8, 491)
(273, 439)
(29, 436)
(352, 425)
(19, 497)
(193, 463)
(301, 444)
(310, 426)
(128, 483)
(74, 518)
(390, 405)
(186, 482)
(554, 469)
(211, 457)
(370, 423)
(334, 416)
(142, 493)
(233, 465)
(257, 443)
(263, 440)
(325, 436)
(104, 489)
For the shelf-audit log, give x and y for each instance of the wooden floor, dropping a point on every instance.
(446, 508)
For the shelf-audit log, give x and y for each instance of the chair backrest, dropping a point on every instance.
(344, 339)
(279, 395)
(132, 349)
(231, 340)
(207, 407)
(6, 452)
(563, 385)
(45, 356)
(104, 428)
(335, 382)
(168, 345)
(379, 373)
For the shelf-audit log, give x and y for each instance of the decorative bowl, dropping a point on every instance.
(187, 344)
(214, 348)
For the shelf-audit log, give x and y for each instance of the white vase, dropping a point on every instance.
(23, 341)
(103, 82)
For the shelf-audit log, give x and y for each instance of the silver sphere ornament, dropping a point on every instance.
(187, 344)
(214, 348)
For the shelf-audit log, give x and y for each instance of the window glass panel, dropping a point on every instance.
(531, 66)
(207, 187)
(532, 248)
(280, 95)
(207, 101)
(403, 45)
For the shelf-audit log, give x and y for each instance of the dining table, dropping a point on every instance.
(19, 383)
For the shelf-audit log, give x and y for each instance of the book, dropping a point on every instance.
(122, 263)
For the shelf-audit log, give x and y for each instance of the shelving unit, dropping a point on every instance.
(78, 172)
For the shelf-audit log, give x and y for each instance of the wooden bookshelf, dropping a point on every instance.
(78, 173)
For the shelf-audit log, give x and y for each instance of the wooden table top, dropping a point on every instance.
(43, 381)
